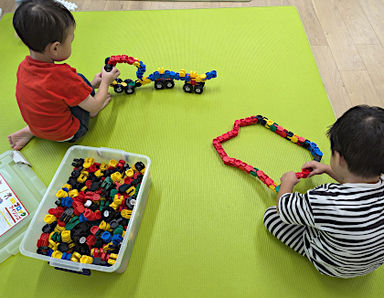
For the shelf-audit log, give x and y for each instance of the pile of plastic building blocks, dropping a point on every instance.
(92, 212)
(302, 142)
(163, 79)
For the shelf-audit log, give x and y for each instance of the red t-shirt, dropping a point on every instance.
(45, 92)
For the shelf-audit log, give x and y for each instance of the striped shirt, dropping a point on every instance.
(344, 234)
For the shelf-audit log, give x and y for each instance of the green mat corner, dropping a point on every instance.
(202, 233)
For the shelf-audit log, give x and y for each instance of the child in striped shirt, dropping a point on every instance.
(339, 227)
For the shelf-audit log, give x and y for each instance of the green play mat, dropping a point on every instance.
(202, 233)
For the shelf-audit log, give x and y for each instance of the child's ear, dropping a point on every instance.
(53, 48)
(341, 160)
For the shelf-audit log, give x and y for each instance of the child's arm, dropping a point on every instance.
(93, 104)
(96, 80)
(319, 168)
(288, 181)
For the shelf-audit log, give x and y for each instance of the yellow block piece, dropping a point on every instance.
(129, 173)
(57, 254)
(66, 236)
(104, 226)
(116, 176)
(49, 218)
(126, 213)
(98, 173)
(67, 186)
(86, 259)
(73, 193)
(61, 194)
(88, 162)
(112, 163)
(131, 191)
(182, 73)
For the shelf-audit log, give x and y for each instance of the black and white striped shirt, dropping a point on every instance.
(344, 233)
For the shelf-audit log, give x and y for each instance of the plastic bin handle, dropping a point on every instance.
(100, 150)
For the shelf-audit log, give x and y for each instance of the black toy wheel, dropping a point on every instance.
(199, 89)
(188, 88)
(129, 90)
(118, 88)
(159, 85)
(169, 84)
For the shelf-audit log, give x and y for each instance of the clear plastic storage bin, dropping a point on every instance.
(28, 244)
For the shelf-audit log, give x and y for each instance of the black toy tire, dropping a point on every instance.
(188, 88)
(118, 88)
(169, 84)
(159, 85)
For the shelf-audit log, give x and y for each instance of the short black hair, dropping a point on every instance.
(358, 135)
(41, 22)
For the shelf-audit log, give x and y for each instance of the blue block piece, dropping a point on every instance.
(177, 76)
(106, 237)
(151, 77)
(156, 75)
(50, 251)
(66, 202)
(66, 256)
(82, 218)
(172, 74)
(187, 77)
(167, 74)
(116, 239)
(65, 189)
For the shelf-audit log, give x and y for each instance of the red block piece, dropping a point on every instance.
(92, 196)
(78, 208)
(131, 60)
(248, 168)
(43, 240)
(93, 168)
(92, 216)
(58, 211)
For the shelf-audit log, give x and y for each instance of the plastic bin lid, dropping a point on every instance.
(20, 193)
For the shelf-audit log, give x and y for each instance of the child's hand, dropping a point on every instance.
(289, 178)
(317, 168)
(96, 80)
(109, 76)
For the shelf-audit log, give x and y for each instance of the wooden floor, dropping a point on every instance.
(347, 39)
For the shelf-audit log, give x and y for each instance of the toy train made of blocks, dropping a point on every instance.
(163, 79)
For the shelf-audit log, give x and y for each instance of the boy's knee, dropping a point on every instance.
(269, 214)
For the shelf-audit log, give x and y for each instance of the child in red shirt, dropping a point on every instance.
(54, 101)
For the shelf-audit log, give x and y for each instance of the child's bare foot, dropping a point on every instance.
(20, 138)
(107, 100)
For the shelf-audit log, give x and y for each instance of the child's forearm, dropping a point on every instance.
(100, 97)
(285, 187)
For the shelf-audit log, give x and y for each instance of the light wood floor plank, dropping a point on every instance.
(374, 9)
(332, 80)
(360, 87)
(356, 21)
(339, 39)
(310, 21)
(373, 56)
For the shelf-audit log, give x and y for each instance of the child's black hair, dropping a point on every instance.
(358, 135)
(41, 22)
